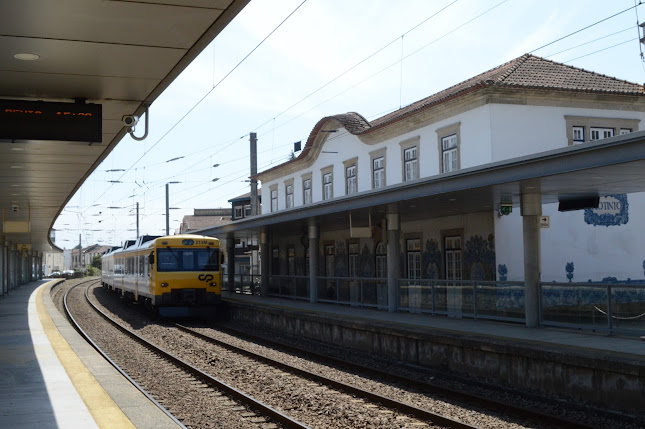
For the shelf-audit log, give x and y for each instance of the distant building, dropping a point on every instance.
(204, 218)
(83, 258)
(241, 206)
(53, 261)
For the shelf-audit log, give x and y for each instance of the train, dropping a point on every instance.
(172, 276)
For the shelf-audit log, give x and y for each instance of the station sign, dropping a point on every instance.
(45, 120)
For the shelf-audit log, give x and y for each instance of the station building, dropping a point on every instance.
(525, 107)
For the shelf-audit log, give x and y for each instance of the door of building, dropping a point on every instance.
(452, 249)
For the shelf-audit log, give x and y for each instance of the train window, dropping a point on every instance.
(142, 265)
(168, 261)
(188, 260)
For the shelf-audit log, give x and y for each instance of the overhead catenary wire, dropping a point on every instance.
(212, 89)
(585, 28)
(384, 69)
(345, 72)
(280, 125)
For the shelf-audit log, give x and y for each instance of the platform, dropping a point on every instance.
(50, 377)
(608, 371)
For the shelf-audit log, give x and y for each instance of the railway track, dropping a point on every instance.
(520, 412)
(404, 415)
(184, 378)
(195, 347)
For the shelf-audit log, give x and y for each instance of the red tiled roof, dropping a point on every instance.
(525, 72)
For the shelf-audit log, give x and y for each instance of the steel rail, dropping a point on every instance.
(383, 400)
(485, 402)
(268, 411)
(87, 338)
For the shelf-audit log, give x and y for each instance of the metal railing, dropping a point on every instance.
(354, 291)
(617, 307)
(603, 307)
(295, 287)
(464, 298)
(248, 284)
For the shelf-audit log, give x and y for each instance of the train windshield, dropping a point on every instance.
(187, 259)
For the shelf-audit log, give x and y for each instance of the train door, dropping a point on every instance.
(151, 272)
(135, 263)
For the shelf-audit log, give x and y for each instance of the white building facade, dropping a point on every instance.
(527, 106)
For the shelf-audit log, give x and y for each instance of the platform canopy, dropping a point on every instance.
(69, 71)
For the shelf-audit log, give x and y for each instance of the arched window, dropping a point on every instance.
(381, 260)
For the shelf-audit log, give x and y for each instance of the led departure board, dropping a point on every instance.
(45, 120)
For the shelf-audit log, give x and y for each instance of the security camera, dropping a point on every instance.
(14, 208)
(129, 120)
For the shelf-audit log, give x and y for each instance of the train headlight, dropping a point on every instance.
(213, 284)
(164, 284)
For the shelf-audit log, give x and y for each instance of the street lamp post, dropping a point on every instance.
(168, 207)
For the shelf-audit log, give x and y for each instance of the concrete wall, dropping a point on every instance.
(610, 383)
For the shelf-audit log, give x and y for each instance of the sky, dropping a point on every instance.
(327, 57)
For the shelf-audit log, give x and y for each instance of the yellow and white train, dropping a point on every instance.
(172, 274)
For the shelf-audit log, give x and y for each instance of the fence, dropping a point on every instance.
(464, 298)
(248, 284)
(605, 307)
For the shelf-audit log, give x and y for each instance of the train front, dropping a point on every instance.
(186, 275)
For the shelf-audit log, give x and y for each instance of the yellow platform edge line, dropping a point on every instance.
(104, 411)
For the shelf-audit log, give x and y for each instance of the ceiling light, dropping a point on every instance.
(17, 148)
(16, 166)
(26, 57)
(452, 199)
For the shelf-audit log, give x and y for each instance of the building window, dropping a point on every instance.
(410, 164)
(238, 212)
(449, 143)
(578, 134)
(247, 210)
(274, 200)
(381, 260)
(352, 252)
(597, 133)
(378, 172)
(291, 261)
(449, 153)
(413, 248)
(452, 246)
(350, 177)
(327, 186)
(582, 129)
(329, 260)
(306, 191)
(289, 193)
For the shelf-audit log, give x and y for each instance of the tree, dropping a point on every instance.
(96, 261)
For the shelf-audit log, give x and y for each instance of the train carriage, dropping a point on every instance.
(175, 275)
